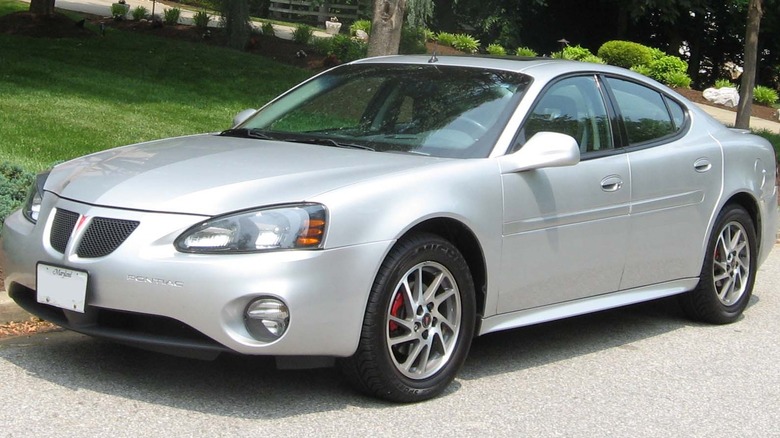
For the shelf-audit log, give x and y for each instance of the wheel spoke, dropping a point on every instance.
(410, 359)
(418, 287)
(398, 340)
(409, 302)
(430, 292)
(408, 325)
(736, 239)
(422, 360)
(725, 289)
(722, 276)
(444, 296)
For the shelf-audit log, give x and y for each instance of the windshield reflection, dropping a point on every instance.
(434, 110)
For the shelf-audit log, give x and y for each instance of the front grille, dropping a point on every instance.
(61, 229)
(104, 235)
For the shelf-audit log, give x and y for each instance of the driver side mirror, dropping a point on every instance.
(242, 116)
(544, 149)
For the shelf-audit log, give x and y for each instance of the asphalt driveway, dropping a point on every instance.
(640, 371)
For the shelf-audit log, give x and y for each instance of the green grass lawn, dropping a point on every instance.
(61, 98)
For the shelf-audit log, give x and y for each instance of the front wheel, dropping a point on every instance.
(729, 270)
(418, 324)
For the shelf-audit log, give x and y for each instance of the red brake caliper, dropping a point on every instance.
(395, 310)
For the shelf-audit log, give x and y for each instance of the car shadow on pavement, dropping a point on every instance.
(252, 388)
(541, 344)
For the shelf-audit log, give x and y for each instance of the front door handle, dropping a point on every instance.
(702, 165)
(611, 183)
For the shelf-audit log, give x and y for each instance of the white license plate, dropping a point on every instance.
(62, 287)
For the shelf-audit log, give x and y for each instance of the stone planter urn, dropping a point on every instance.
(119, 10)
(332, 27)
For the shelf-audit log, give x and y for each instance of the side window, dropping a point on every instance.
(678, 114)
(572, 106)
(646, 115)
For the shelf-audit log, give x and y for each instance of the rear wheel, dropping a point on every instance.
(729, 270)
(418, 324)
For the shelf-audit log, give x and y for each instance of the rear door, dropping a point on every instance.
(676, 179)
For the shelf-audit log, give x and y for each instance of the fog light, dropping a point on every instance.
(266, 319)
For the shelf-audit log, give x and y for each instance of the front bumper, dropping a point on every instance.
(147, 294)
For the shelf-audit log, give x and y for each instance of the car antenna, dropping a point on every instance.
(433, 56)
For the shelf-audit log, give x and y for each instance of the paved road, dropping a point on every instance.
(103, 7)
(641, 371)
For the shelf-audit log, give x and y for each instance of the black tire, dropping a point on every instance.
(729, 270)
(387, 363)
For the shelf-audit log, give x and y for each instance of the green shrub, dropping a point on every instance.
(656, 54)
(642, 70)
(14, 184)
(412, 40)
(344, 48)
(119, 10)
(429, 35)
(364, 25)
(496, 49)
(665, 66)
(576, 53)
(302, 34)
(723, 83)
(445, 38)
(171, 16)
(201, 19)
(466, 43)
(625, 54)
(139, 12)
(321, 45)
(593, 59)
(677, 79)
(764, 95)
(525, 51)
(267, 29)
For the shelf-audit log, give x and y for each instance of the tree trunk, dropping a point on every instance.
(750, 67)
(235, 17)
(42, 7)
(386, 27)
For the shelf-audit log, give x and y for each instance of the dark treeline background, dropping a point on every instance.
(706, 33)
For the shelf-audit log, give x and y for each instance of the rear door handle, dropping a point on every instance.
(611, 183)
(702, 165)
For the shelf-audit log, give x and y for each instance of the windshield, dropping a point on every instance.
(440, 111)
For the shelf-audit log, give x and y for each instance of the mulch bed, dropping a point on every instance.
(760, 111)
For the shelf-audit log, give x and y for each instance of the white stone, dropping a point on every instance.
(728, 96)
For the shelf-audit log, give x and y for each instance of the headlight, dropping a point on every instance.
(32, 206)
(285, 227)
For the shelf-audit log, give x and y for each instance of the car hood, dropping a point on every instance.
(210, 175)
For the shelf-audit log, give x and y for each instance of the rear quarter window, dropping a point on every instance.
(647, 115)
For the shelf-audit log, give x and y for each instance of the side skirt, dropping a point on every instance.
(566, 309)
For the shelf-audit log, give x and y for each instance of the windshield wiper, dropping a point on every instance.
(246, 133)
(332, 142)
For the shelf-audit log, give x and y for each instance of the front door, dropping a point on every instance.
(565, 229)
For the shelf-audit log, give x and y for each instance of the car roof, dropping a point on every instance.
(539, 68)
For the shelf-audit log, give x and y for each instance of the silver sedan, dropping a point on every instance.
(385, 212)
